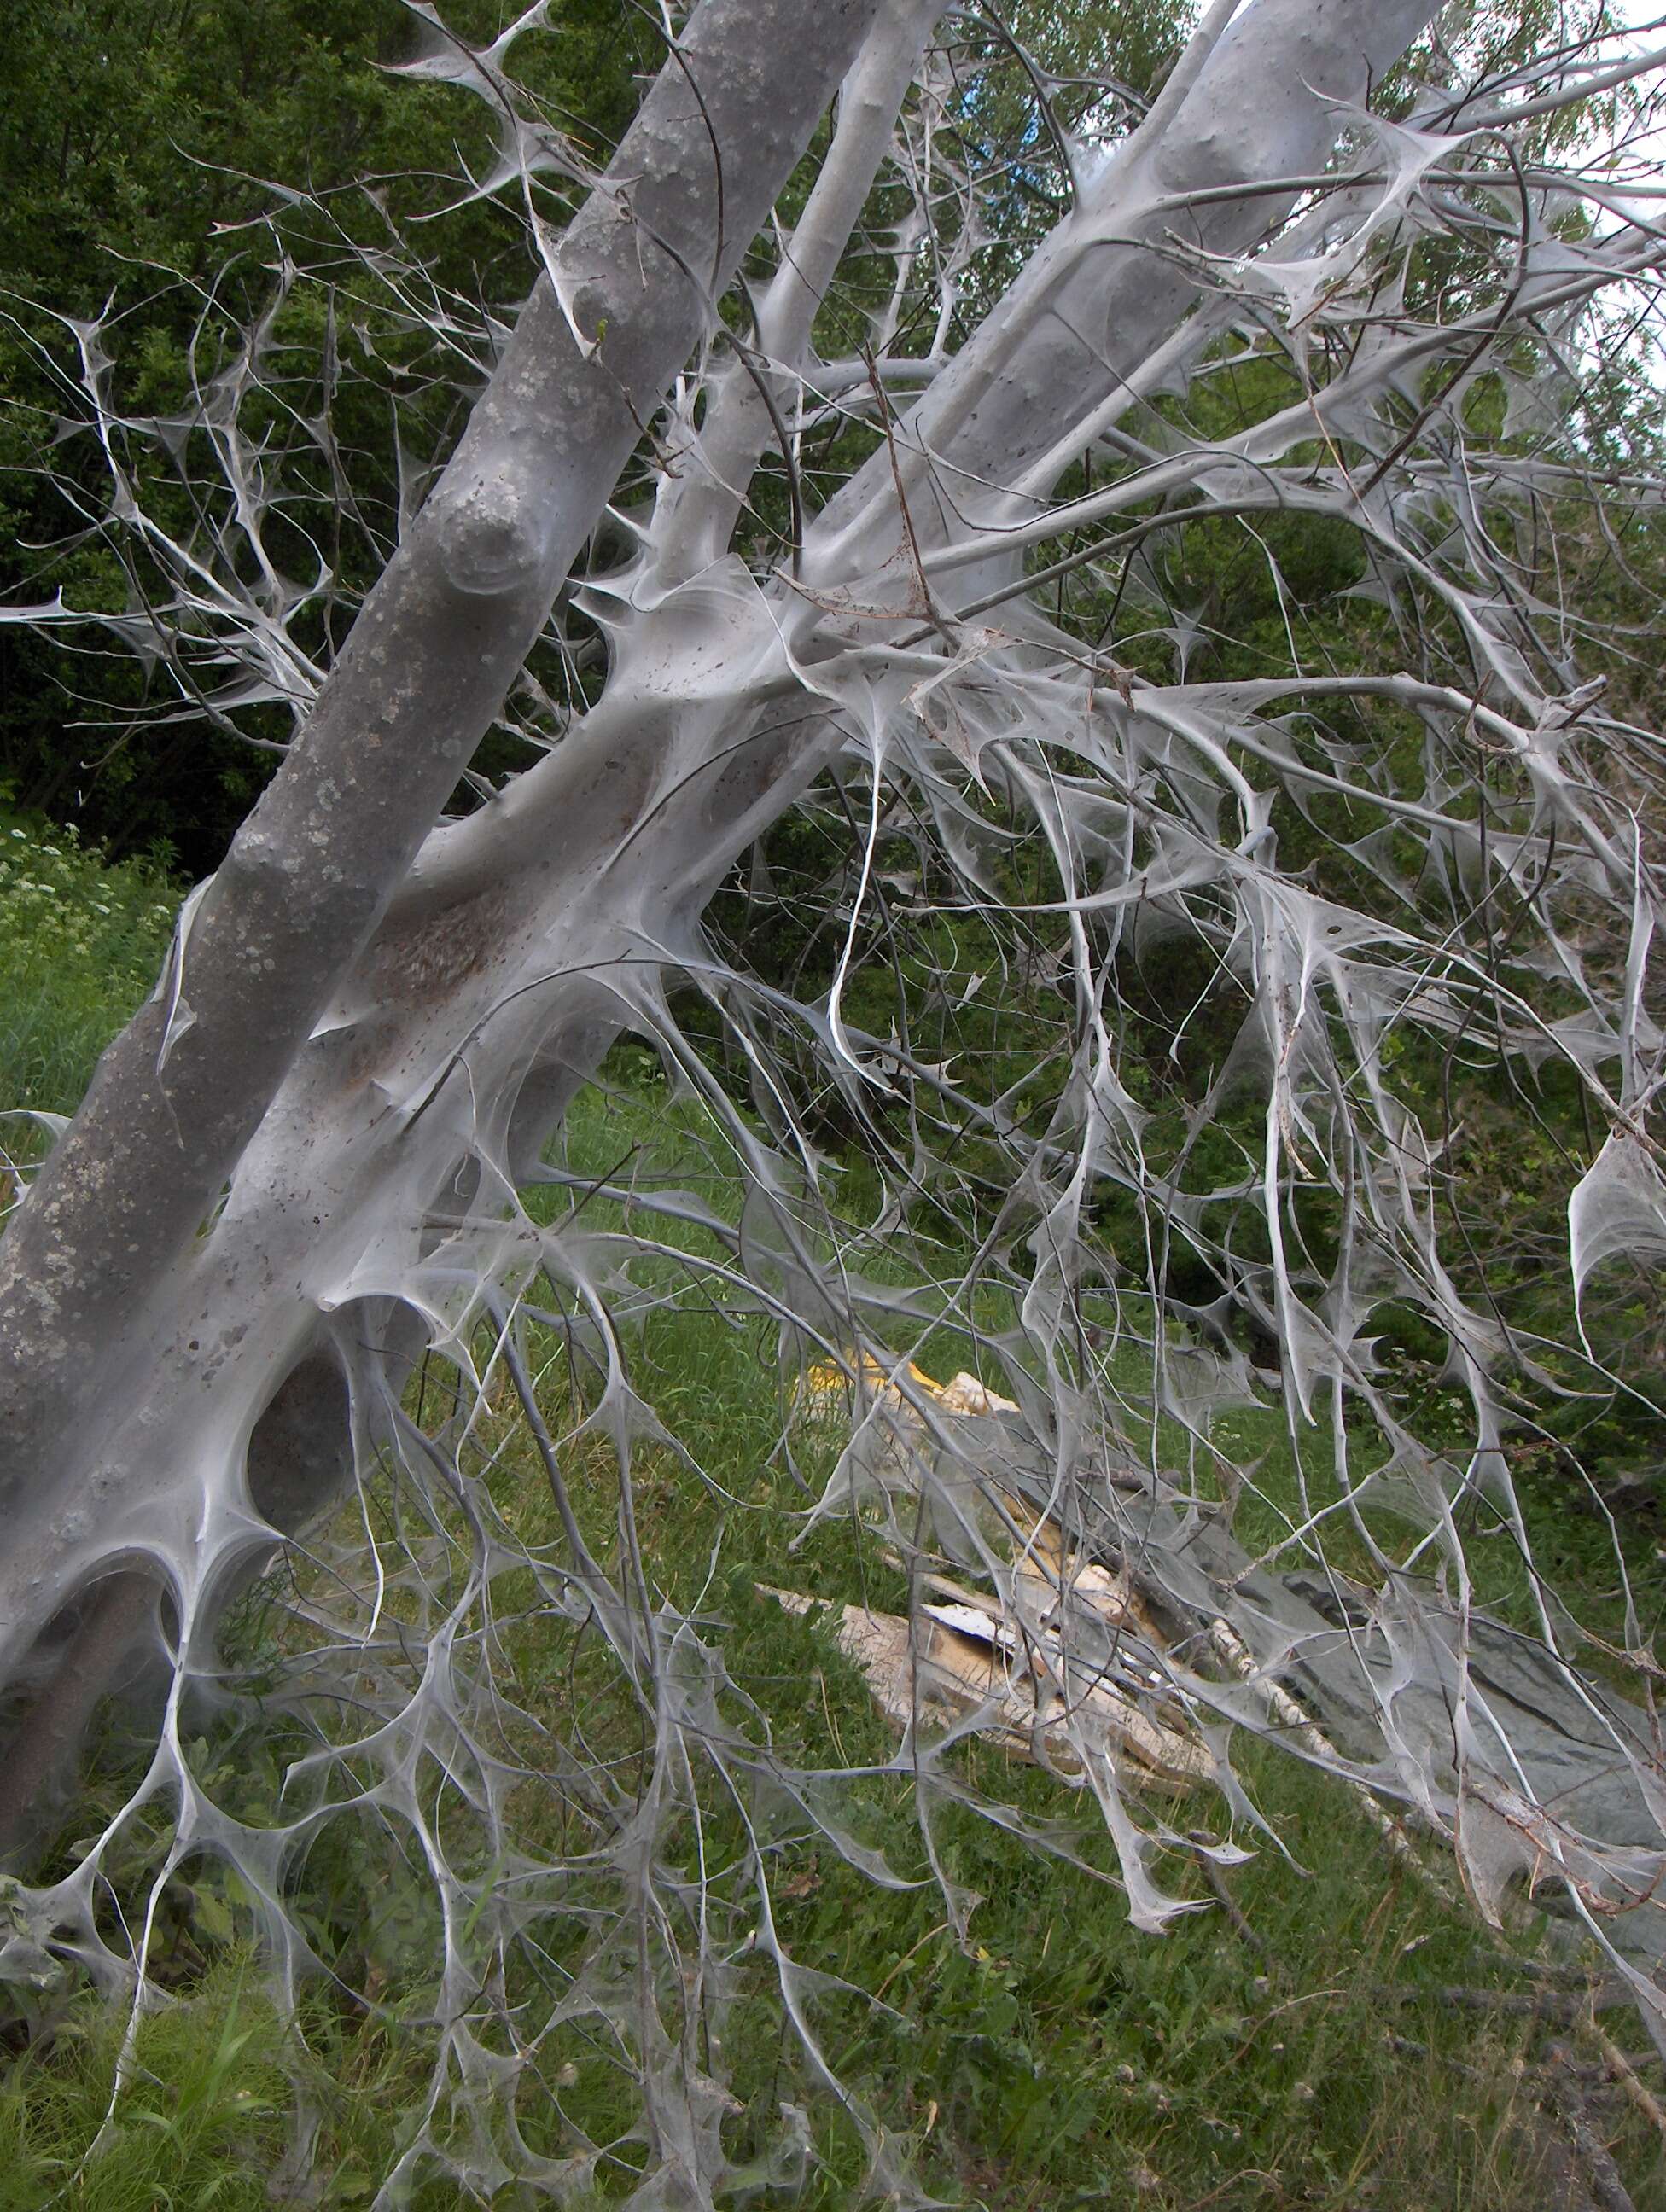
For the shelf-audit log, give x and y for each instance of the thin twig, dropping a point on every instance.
(1201, 1840)
(1627, 2075)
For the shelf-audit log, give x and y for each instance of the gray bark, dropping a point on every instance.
(177, 1098)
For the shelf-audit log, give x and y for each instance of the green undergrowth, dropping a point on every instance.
(1059, 2058)
(1301, 2046)
(1584, 1561)
(80, 941)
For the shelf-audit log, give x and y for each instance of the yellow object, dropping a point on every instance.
(964, 1394)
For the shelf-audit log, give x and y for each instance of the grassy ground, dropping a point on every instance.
(82, 943)
(1301, 2049)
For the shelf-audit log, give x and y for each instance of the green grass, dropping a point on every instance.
(1056, 2057)
(199, 2121)
(82, 942)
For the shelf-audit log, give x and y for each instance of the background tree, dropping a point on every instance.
(136, 146)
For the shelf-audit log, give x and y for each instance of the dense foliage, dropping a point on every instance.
(147, 156)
